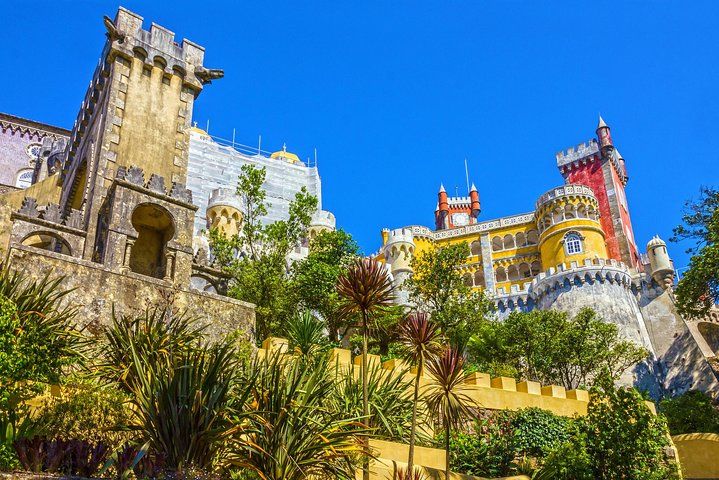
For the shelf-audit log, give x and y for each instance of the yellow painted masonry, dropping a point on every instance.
(698, 455)
(552, 248)
(497, 393)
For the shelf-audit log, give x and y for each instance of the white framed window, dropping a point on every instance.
(24, 178)
(573, 243)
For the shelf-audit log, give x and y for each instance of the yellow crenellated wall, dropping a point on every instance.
(698, 455)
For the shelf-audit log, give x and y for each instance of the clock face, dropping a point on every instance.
(460, 219)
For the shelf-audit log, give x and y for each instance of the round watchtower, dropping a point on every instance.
(322, 221)
(568, 222)
(224, 211)
(661, 264)
(398, 254)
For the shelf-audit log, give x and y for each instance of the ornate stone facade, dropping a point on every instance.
(112, 212)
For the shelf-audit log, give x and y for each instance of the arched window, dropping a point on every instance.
(479, 279)
(497, 244)
(573, 243)
(508, 241)
(500, 275)
(467, 278)
(476, 248)
(24, 178)
(532, 237)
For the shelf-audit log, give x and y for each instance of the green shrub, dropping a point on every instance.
(690, 413)
(88, 413)
(538, 432)
(8, 458)
(570, 461)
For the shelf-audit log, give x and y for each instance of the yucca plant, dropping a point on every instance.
(365, 289)
(306, 334)
(184, 411)
(389, 399)
(291, 432)
(445, 397)
(158, 335)
(420, 340)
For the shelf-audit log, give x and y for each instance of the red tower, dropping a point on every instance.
(600, 166)
(456, 211)
(440, 216)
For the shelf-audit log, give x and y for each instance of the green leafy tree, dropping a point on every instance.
(314, 278)
(437, 287)
(698, 290)
(691, 412)
(624, 439)
(549, 347)
(256, 258)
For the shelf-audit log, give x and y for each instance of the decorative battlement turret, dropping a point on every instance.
(400, 235)
(224, 196)
(157, 47)
(323, 219)
(661, 265)
(569, 191)
(583, 152)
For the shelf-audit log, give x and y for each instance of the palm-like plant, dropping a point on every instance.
(38, 338)
(365, 288)
(389, 399)
(158, 336)
(445, 397)
(183, 411)
(306, 334)
(291, 432)
(420, 341)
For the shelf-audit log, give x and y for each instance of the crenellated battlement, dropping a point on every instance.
(568, 191)
(323, 218)
(224, 196)
(400, 235)
(496, 393)
(156, 45)
(580, 152)
(590, 271)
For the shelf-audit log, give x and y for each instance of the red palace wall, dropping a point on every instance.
(591, 176)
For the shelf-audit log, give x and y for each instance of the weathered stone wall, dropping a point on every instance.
(681, 364)
(97, 290)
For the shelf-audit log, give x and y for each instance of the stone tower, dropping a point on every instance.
(224, 211)
(126, 164)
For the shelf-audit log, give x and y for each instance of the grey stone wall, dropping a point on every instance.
(96, 290)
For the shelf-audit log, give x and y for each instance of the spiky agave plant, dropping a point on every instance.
(365, 288)
(420, 340)
(445, 397)
(291, 432)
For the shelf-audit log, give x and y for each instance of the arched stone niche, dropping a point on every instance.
(155, 227)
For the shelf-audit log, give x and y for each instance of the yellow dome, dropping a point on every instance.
(198, 130)
(291, 157)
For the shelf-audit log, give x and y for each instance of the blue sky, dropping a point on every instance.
(394, 95)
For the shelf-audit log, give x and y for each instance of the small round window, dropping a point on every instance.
(573, 243)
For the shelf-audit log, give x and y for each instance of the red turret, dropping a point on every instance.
(474, 198)
(442, 209)
(604, 135)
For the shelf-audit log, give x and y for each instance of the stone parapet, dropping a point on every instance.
(578, 153)
(589, 271)
(565, 191)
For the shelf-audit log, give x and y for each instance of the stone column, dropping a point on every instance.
(487, 263)
(129, 243)
(169, 265)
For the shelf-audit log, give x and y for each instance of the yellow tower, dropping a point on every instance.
(568, 222)
(224, 211)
